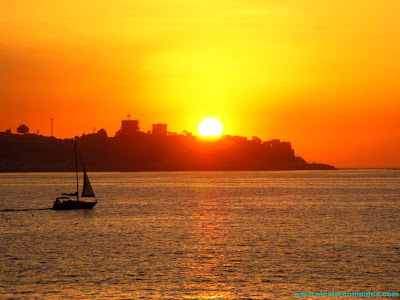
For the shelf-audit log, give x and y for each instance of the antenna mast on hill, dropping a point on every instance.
(51, 122)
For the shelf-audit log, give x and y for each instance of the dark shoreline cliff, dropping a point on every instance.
(147, 152)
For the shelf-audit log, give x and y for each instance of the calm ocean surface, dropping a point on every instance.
(201, 235)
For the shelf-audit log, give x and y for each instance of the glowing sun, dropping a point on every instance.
(210, 127)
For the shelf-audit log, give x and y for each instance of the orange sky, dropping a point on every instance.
(321, 74)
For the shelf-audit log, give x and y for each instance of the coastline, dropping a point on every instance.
(140, 152)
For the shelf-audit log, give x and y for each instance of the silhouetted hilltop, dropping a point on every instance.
(138, 151)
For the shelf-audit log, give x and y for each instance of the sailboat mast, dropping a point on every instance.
(76, 170)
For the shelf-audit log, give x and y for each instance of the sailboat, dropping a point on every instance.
(71, 200)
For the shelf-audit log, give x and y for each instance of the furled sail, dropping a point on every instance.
(87, 188)
(70, 194)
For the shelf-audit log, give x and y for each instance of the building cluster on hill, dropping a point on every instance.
(131, 127)
(158, 150)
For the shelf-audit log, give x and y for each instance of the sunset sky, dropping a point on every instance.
(324, 75)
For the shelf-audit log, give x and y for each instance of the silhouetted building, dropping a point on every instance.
(159, 129)
(187, 133)
(129, 127)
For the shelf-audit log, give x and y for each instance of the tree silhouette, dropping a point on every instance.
(256, 139)
(23, 129)
(102, 133)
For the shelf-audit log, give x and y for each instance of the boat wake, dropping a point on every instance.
(23, 209)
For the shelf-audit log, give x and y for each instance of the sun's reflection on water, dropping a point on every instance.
(209, 265)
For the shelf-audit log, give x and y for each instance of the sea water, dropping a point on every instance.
(201, 235)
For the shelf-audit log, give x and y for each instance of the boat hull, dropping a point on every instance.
(73, 204)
